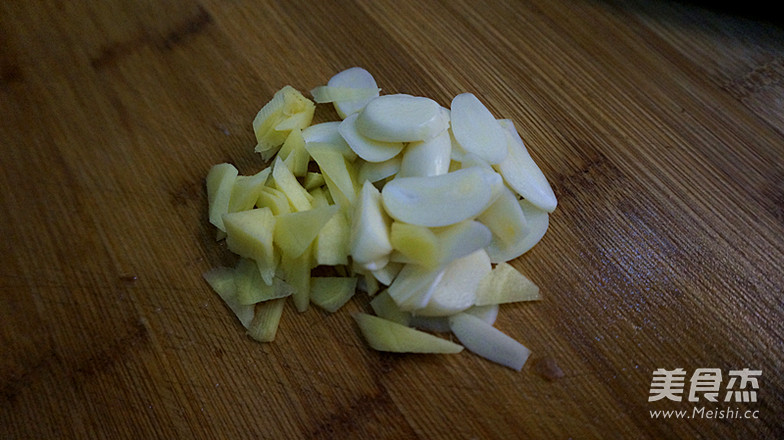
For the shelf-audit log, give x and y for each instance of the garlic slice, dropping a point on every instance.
(537, 221)
(521, 172)
(370, 246)
(440, 200)
(476, 129)
(371, 150)
(456, 290)
(402, 118)
(355, 77)
(488, 342)
(427, 158)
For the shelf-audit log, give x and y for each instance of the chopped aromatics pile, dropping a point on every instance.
(418, 205)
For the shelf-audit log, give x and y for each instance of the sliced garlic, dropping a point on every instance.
(371, 150)
(461, 239)
(376, 171)
(355, 77)
(537, 221)
(505, 218)
(414, 286)
(370, 244)
(456, 290)
(427, 158)
(476, 129)
(327, 133)
(401, 118)
(325, 94)
(440, 200)
(488, 342)
(521, 172)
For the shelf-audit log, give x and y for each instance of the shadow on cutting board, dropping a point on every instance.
(763, 12)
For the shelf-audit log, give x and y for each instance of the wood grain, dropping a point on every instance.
(660, 126)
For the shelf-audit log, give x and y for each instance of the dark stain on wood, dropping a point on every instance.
(760, 77)
(187, 192)
(112, 53)
(103, 359)
(188, 29)
(50, 362)
(10, 74)
(548, 368)
(128, 278)
(773, 196)
(14, 384)
(591, 171)
(360, 418)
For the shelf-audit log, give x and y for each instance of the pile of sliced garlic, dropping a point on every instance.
(417, 205)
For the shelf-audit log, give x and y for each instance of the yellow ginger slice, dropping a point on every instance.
(294, 232)
(252, 289)
(504, 284)
(221, 279)
(220, 181)
(266, 319)
(331, 293)
(384, 335)
(287, 110)
(294, 154)
(246, 190)
(296, 272)
(249, 235)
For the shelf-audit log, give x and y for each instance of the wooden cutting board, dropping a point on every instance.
(659, 125)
